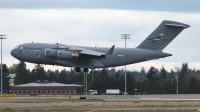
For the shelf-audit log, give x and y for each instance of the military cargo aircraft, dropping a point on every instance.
(96, 57)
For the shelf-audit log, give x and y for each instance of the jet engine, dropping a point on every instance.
(51, 53)
(67, 55)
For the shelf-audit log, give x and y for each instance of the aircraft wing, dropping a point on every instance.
(95, 53)
(81, 50)
(90, 52)
(86, 51)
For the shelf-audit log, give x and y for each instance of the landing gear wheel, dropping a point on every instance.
(78, 69)
(86, 70)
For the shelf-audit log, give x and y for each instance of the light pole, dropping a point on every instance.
(177, 79)
(125, 36)
(1, 37)
(92, 73)
(84, 82)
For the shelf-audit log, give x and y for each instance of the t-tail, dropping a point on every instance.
(163, 35)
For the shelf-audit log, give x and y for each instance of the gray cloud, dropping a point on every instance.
(153, 5)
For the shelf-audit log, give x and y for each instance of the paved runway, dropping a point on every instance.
(123, 111)
(104, 103)
(146, 97)
(145, 111)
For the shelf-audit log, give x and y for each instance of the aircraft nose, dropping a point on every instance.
(12, 52)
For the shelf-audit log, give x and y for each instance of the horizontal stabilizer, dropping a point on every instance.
(177, 25)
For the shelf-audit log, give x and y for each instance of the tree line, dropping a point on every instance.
(153, 81)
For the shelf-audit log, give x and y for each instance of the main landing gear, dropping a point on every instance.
(85, 71)
(77, 69)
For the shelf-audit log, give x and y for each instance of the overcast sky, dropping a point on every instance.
(100, 23)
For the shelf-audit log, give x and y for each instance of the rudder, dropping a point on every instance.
(163, 35)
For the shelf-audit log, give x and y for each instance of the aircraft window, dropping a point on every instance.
(19, 47)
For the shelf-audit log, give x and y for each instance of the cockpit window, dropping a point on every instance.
(19, 47)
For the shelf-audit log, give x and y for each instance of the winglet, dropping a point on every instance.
(110, 52)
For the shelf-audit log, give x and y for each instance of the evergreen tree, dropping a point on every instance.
(12, 69)
(52, 77)
(34, 77)
(48, 72)
(188, 82)
(38, 73)
(112, 71)
(171, 74)
(104, 77)
(151, 80)
(96, 84)
(193, 85)
(151, 75)
(160, 87)
(130, 83)
(5, 78)
(62, 77)
(70, 77)
(79, 79)
(173, 86)
(183, 79)
(184, 71)
(56, 73)
(142, 72)
(162, 74)
(22, 74)
(112, 82)
(121, 83)
(117, 81)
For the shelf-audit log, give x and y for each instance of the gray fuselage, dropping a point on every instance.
(36, 53)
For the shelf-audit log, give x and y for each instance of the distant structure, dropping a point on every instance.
(12, 76)
(47, 88)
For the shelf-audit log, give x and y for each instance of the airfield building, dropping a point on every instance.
(47, 88)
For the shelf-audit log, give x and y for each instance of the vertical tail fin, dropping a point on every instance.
(163, 35)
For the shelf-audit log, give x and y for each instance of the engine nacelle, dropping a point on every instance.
(51, 53)
(67, 55)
